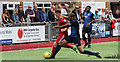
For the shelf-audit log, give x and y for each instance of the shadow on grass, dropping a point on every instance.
(114, 56)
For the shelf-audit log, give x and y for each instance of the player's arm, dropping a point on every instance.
(64, 29)
(98, 18)
(92, 17)
(63, 26)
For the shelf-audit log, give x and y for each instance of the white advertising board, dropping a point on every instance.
(94, 6)
(116, 30)
(23, 34)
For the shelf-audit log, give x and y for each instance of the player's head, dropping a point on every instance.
(88, 8)
(58, 13)
(71, 16)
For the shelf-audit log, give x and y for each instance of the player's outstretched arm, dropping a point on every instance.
(66, 25)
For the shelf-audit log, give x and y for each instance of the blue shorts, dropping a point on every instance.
(75, 40)
(86, 30)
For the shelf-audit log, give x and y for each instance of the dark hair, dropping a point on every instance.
(57, 11)
(86, 8)
(7, 13)
(62, 4)
(19, 5)
(55, 4)
(5, 10)
(72, 15)
(89, 6)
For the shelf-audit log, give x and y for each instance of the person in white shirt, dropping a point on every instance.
(63, 11)
(105, 16)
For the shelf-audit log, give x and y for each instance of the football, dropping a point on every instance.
(46, 55)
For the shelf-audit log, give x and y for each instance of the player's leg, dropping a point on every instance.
(58, 47)
(78, 44)
(89, 40)
(83, 35)
(88, 52)
(89, 37)
(84, 39)
(68, 45)
(53, 47)
(59, 39)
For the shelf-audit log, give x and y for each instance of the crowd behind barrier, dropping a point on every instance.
(35, 15)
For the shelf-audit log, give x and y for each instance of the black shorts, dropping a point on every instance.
(75, 40)
(86, 30)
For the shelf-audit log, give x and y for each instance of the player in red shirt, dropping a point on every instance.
(62, 32)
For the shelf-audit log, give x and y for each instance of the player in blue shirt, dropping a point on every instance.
(73, 38)
(88, 19)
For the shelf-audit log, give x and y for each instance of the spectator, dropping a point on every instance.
(67, 8)
(117, 15)
(105, 15)
(80, 15)
(21, 14)
(6, 17)
(97, 19)
(56, 6)
(30, 13)
(76, 12)
(112, 21)
(59, 6)
(51, 14)
(63, 11)
(15, 17)
(111, 15)
(37, 14)
(44, 16)
(96, 15)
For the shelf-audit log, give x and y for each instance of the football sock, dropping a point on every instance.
(56, 51)
(89, 52)
(53, 48)
(84, 38)
(89, 39)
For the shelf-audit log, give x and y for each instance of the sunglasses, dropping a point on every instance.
(29, 7)
(20, 7)
(6, 10)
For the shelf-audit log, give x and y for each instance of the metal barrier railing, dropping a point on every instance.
(50, 34)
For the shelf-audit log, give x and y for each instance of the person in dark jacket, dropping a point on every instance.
(117, 15)
(51, 14)
(37, 14)
(76, 12)
(44, 16)
(21, 14)
(30, 13)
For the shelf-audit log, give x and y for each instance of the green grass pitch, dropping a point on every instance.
(105, 49)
